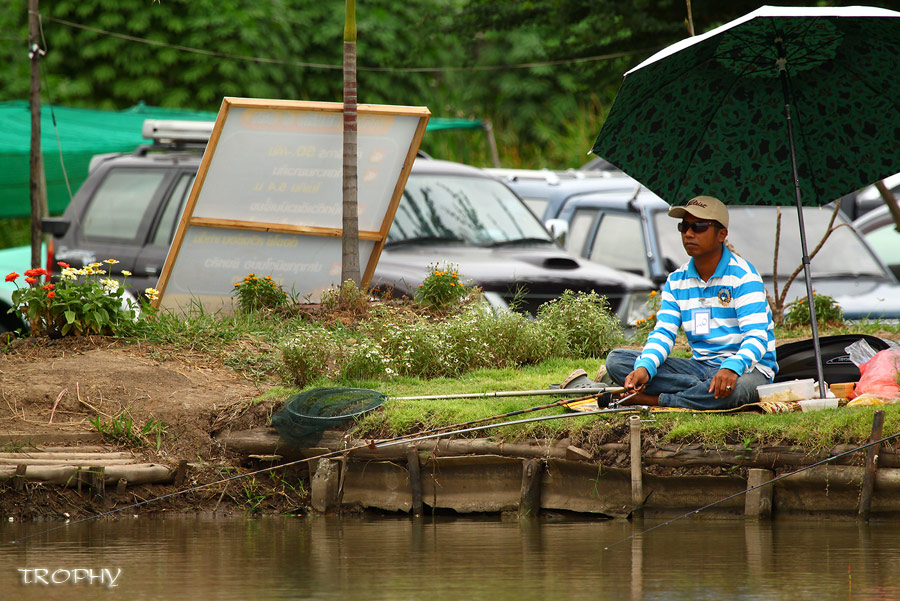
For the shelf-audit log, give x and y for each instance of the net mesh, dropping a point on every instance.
(307, 414)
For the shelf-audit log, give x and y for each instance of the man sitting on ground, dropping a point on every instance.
(720, 301)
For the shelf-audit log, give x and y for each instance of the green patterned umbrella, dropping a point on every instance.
(707, 115)
(783, 106)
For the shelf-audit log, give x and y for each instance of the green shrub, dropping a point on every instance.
(441, 290)
(585, 319)
(347, 297)
(395, 341)
(254, 294)
(828, 312)
(367, 360)
(308, 354)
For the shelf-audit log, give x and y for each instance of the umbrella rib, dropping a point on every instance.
(865, 81)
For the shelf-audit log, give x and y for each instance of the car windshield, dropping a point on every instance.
(471, 210)
(752, 234)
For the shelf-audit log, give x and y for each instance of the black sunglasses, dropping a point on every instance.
(698, 226)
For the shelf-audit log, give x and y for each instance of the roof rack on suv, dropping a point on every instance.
(175, 135)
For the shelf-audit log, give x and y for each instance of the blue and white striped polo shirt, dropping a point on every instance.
(741, 334)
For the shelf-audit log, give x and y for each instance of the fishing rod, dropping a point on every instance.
(329, 455)
(743, 492)
(507, 393)
(562, 402)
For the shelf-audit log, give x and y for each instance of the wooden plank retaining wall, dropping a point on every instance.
(484, 475)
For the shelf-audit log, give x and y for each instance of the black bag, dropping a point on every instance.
(797, 360)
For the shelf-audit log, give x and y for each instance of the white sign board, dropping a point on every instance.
(268, 198)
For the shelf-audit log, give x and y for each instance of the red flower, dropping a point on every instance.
(30, 280)
(51, 294)
(63, 265)
(48, 287)
(36, 273)
(12, 277)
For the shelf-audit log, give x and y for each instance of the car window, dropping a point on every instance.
(619, 243)
(537, 205)
(475, 210)
(579, 229)
(165, 231)
(885, 241)
(752, 234)
(119, 203)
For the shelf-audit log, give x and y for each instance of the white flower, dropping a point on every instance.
(110, 286)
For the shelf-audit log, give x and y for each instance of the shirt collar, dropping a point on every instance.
(720, 268)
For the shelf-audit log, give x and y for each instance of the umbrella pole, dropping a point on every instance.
(785, 86)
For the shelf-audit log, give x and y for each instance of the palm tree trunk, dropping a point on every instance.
(350, 217)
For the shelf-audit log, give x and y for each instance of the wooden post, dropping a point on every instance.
(530, 499)
(97, 481)
(758, 502)
(492, 143)
(637, 481)
(19, 477)
(868, 485)
(415, 479)
(181, 472)
(325, 485)
(36, 168)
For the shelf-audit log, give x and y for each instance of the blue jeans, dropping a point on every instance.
(685, 382)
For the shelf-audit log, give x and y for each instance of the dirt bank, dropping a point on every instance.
(57, 388)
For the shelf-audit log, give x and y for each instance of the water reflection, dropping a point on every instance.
(397, 558)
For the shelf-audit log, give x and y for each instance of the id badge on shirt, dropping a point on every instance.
(701, 322)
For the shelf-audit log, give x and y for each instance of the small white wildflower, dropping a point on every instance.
(110, 286)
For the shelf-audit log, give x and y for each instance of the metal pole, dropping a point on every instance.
(785, 86)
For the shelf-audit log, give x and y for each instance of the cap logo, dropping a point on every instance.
(695, 202)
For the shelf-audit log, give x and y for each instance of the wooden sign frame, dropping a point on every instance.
(286, 109)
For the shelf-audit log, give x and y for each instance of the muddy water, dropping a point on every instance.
(153, 558)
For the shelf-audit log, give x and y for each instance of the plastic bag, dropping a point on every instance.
(860, 352)
(866, 400)
(879, 375)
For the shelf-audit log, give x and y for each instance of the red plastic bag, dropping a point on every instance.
(879, 375)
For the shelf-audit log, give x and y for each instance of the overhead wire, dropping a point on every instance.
(260, 59)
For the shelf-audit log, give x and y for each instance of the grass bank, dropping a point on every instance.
(250, 343)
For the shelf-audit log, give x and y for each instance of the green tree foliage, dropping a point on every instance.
(530, 66)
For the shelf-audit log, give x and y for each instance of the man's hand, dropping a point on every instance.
(722, 384)
(637, 380)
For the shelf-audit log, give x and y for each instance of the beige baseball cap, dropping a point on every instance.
(703, 207)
